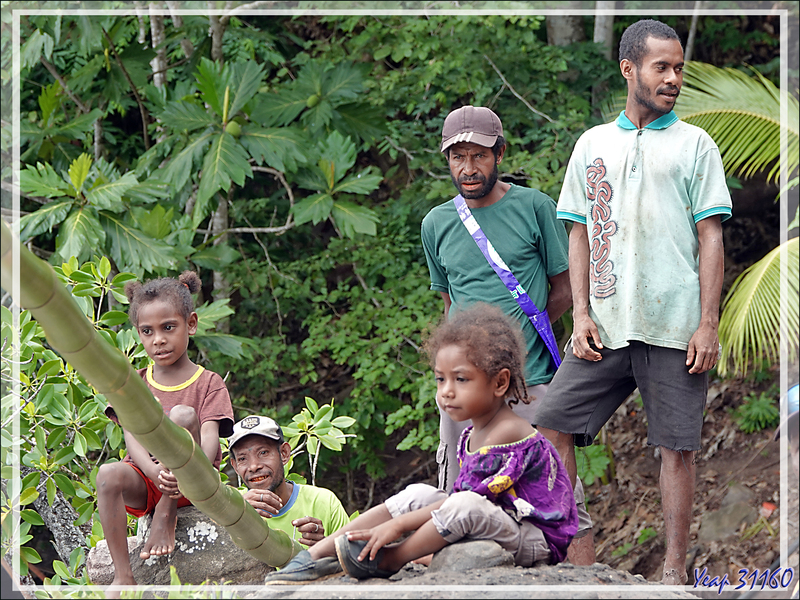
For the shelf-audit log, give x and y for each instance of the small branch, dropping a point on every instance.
(142, 109)
(177, 21)
(513, 91)
(244, 8)
(83, 108)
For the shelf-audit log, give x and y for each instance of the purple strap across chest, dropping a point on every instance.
(539, 318)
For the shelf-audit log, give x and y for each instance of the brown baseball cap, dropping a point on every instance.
(476, 124)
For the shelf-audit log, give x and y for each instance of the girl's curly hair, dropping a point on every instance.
(492, 342)
(178, 292)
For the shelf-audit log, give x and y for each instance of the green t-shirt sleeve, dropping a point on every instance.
(438, 276)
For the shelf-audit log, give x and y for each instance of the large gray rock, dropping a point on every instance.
(470, 554)
(736, 508)
(203, 552)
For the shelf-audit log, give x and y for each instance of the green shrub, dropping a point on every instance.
(758, 412)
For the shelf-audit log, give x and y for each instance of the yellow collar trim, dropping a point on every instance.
(173, 388)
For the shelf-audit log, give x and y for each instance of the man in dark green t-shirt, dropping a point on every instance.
(522, 226)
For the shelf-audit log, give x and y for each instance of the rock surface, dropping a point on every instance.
(203, 552)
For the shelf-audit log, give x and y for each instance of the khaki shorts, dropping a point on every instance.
(467, 515)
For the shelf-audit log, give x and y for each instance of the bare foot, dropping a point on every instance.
(674, 577)
(161, 540)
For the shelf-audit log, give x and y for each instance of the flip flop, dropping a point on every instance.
(348, 552)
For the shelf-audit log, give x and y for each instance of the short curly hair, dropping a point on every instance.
(178, 292)
(633, 45)
(492, 342)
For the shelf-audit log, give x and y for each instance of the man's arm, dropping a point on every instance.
(559, 299)
(584, 329)
(704, 345)
(447, 303)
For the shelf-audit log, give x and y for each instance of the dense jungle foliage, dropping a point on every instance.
(290, 161)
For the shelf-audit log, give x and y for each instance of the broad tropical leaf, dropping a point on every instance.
(212, 81)
(215, 258)
(187, 116)
(245, 80)
(754, 324)
(208, 314)
(149, 191)
(76, 128)
(109, 195)
(181, 167)
(134, 251)
(276, 110)
(314, 208)
(43, 219)
(226, 160)
(360, 183)
(742, 115)
(80, 234)
(282, 148)
(42, 180)
(352, 218)
(233, 346)
(79, 171)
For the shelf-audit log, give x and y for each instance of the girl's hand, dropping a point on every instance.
(377, 537)
(168, 484)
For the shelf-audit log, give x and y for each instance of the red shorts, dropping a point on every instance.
(153, 496)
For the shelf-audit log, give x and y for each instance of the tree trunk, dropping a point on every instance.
(604, 27)
(159, 63)
(219, 222)
(687, 53)
(59, 520)
(563, 30)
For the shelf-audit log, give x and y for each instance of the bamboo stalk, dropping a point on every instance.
(71, 334)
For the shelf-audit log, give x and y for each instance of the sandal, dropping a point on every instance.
(303, 568)
(348, 552)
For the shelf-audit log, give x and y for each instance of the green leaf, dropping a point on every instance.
(79, 170)
(78, 127)
(215, 258)
(181, 167)
(322, 413)
(61, 569)
(80, 234)
(225, 161)
(42, 180)
(31, 516)
(30, 555)
(277, 110)
(64, 456)
(49, 100)
(109, 195)
(281, 148)
(28, 495)
(208, 314)
(331, 442)
(315, 208)
(64, 484)
(79, 444)
(352, 218)
(36, 44)
(132, 249)
(343, 422)
(155, 221)
(232, 346)
(149, 191)
(113, 318)
(245, 80)
(187, 116)
(361, 183)
(51, 491)
(85, 513)
(43, 219)
(212, 81)
(312, 404)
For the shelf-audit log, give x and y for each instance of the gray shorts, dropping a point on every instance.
(467, 515)
(584, 395)
(450, 432)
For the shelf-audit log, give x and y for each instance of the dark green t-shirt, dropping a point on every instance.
(524, 230)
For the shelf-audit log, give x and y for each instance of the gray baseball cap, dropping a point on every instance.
(255, 425)
(476, 124)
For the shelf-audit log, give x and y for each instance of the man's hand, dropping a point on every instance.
(377, 537)
(267, 504)
(703, 349)
(584, 331)
(168, 484)
(311, 530)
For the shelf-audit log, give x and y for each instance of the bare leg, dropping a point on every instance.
(581, 550)
(425, 540)
(161, 540)
(373, 517)
(119, 485)
(677, 495)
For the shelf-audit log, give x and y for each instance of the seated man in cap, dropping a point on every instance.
(258, 454)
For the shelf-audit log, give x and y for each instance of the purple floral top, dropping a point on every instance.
(528, 481)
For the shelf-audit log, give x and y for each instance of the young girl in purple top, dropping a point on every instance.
(511, 488)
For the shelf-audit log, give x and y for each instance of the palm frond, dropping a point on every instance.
(755, 324)
(742, 115)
